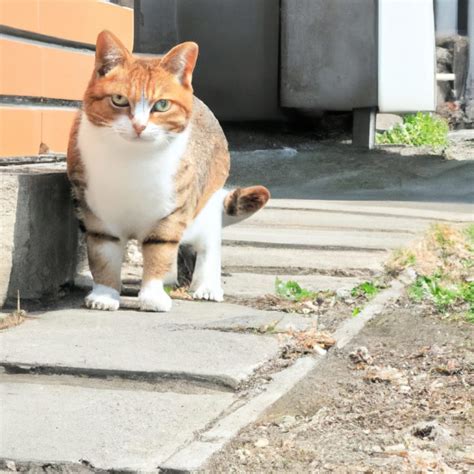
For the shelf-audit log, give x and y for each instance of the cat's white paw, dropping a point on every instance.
(153, 297)
(209, 292)
(104, 298)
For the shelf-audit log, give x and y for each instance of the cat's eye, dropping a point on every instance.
(119, 100)
(161, 106)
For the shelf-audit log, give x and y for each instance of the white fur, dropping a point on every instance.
(153, 297)
(141, 115)
(205, 235)
(103, 297)
(129, 182)
(130, 187)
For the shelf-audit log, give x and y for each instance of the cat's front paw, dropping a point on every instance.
(209, 292)
(104, 298)
(154, 298)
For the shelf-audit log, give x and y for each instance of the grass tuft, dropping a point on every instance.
(291, 290)
(443, 262)
(420, 129)
(368, 289)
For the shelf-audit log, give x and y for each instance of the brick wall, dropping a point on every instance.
(46, 59)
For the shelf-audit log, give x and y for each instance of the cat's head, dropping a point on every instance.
(140, 100)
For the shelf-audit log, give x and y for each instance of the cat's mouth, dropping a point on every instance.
(138, 138)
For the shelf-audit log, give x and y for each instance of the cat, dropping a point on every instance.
(148, 160)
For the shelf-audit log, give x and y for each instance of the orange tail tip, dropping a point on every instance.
(246, 201)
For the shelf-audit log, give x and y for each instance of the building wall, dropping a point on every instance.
(46, 59)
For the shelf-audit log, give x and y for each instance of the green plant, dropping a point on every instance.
(356, 311)
(442, 295)
(292, 291)
(418, 129)
(367, 289)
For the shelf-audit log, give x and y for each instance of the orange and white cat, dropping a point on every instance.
(148, 160)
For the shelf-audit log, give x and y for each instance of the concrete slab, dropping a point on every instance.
(254, 284)
(132, 430)
(38, 233)
(287, 259)
(283, 213)
(315, 237)
(93, 342)
(432, 211)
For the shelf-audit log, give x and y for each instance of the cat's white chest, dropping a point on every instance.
(130, 187)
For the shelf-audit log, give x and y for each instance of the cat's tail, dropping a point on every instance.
(241, 203)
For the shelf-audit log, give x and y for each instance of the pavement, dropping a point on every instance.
(86, 390)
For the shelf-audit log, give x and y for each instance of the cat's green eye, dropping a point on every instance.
(119, 100)
(161, 106)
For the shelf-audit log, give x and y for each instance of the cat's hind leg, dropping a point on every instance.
(205, 236)
(105, 253)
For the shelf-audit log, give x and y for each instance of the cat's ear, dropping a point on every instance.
(109, 52)
(180, 61)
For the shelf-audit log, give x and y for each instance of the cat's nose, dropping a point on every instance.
(138, 127)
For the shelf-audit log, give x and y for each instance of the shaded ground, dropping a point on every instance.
(405, 406)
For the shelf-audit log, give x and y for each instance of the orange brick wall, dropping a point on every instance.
(34, 68)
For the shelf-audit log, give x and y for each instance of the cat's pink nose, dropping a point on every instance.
(139, 128)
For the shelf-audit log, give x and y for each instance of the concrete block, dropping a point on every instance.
(146, 345)
(328, 54)
(38, 234)
(120, 429)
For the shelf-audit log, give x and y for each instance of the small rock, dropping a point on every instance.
(261, 443)
(385, 374)
(387, 121)
(11, 466)
(432, 431)
(361, 354)
(343, 293)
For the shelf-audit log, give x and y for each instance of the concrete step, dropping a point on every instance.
(273, 216)
(409, 209)
(314, 237)
(187, 343)
(38, 232)
(126, 390)
(255, 285)
(299, 261)
(100, 426)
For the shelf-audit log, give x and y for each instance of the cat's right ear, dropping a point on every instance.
(109, 53)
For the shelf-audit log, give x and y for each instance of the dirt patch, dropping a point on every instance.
(397, 399)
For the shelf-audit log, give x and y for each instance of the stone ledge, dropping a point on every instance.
(38, 235)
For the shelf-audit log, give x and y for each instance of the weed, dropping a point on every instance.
(432, 287)
(291, 290)
(418, 129)
(443, 262)
(356, 311)
(366, 289)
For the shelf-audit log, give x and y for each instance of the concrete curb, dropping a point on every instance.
(194, 456)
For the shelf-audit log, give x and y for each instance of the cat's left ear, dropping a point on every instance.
(181, 61)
